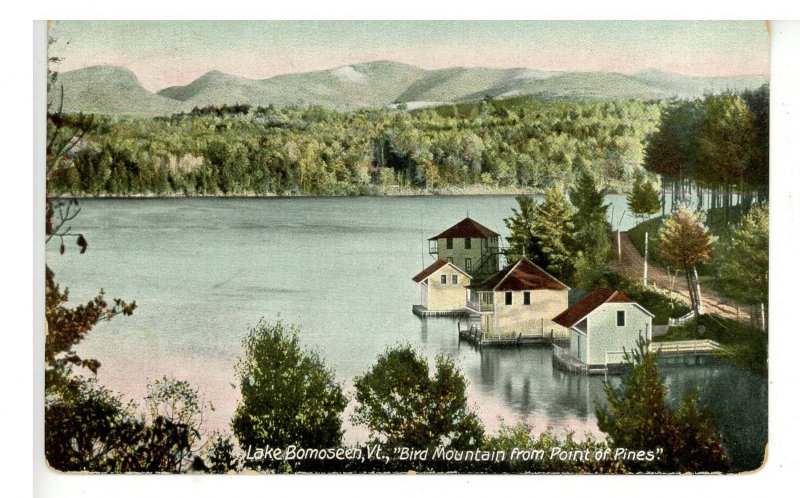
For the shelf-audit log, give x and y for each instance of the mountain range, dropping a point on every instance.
(117, 90)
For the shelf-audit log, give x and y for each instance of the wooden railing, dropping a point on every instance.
(684, 347)
(681, 320)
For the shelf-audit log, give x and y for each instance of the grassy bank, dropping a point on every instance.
(652, 300)
(747, 346)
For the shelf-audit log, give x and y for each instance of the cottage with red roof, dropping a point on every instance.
(602, 326)
(442, 289)
(520, 300)
(470, 246)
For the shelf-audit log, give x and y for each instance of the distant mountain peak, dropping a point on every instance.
(381, 83)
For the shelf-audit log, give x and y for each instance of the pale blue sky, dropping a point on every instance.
(165, 53)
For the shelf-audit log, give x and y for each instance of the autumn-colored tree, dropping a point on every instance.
(636, 416)
(403, 405)
(66, 327)
(684, 242)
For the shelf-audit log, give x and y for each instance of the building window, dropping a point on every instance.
(620, 318)
(450, 260)
(509, 298)
(443, 279)
(454, 279)
(468, 264)
(526, 298)
(467, 243)
(449, 243)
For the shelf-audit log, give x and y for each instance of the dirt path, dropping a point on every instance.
(632, 266)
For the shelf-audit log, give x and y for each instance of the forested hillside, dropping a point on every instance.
(510, 143)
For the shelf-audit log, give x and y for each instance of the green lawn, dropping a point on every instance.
(654, 301)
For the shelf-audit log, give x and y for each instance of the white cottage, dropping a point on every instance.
(519, 301)
(602, 326)
(442, 288)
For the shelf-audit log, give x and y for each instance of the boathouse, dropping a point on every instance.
(602, 326)
(442, 289)
(519, 301)
(468, 245)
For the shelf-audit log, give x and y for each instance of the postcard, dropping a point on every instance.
(349, 247)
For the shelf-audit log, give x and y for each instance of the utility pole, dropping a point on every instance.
(697, 291)
(645, 259)
(619, 229)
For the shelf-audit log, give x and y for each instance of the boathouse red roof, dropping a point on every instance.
(466, 228)
(427, 272)
(589, 303)
(522, 275)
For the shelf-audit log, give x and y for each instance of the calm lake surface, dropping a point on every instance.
(203, 271)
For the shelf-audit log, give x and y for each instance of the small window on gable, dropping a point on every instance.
(509, 298)
(454, 279)
(443, 279)
(467, 243)
(526, 298)
(620, 318)
(449, 243)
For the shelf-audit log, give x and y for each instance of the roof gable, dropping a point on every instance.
(591, 302)
(522, 275)
(436, 266)
(466, 228)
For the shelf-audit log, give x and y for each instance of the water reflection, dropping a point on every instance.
(339, 269)
(521, 384)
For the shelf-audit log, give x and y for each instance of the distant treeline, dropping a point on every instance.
(715, 148)
(311, 150)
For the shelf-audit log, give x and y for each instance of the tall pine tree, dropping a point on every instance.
(553, 237)
(520, 227)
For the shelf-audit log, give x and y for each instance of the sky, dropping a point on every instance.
(167, 53)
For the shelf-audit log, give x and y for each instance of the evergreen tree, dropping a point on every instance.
(592, 230)
(554, 235)
(589, 201)
(743, 260)
(643, 199)
(520, 228)
(637, 417)
(725, 140)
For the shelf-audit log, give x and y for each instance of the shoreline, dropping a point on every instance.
(448, 192)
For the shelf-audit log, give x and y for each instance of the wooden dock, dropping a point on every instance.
(424, 312)
(475, 336)
(690, 352)
(697, 346)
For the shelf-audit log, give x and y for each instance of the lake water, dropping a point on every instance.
(203, 271)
